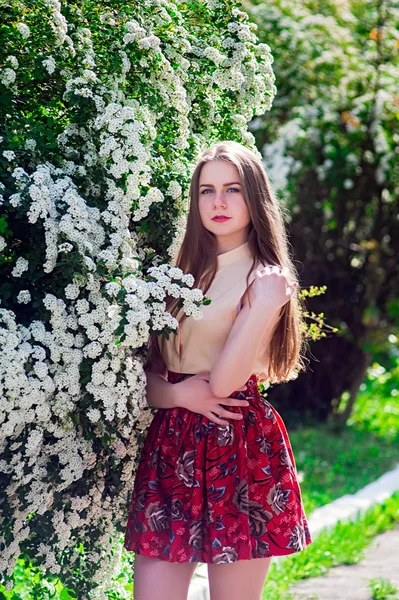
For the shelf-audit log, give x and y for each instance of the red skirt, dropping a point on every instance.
(213, 493)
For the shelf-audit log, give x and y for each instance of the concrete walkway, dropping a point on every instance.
(350, 582)
(342, 509)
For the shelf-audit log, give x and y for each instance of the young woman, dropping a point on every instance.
(217, 480)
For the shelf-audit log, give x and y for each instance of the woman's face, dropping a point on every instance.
(220, 193)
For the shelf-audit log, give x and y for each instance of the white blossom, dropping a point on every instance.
(65, 247)
(174, 189)
(24, 297)
(13, 61)
(23, 30)
(20, 267)
(30, 144)
(94, 415)
(49, 64)
(72, 291)
(7, 76)
(9, 154)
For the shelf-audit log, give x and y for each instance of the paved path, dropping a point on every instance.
(350, 582)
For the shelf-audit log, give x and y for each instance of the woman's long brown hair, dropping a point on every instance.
(268, 243)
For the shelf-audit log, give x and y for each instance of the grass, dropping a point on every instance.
(377, 404)
(342, 544)
(382, 589)
(332, 463)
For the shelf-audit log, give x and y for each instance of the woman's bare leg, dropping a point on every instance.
(160, 579)
(238, 580)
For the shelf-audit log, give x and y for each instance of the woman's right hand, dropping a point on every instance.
(272, 287)
(194, 393)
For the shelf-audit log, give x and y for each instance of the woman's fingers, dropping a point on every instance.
(228, 414)
(234, 402)
(212, 417)
(222, 414)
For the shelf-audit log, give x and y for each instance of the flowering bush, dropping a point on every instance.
(104, 108)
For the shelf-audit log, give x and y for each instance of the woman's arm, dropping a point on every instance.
(192, 393)
(251, 333)
(160, 392)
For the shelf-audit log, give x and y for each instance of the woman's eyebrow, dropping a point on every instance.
(211, 184)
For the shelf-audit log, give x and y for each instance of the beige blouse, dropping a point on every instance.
(201, 341)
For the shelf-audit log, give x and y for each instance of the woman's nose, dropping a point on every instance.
(219, 199)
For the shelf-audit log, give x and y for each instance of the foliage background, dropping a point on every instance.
(331, 144)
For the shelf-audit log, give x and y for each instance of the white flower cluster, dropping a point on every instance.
(53, 193)
(43, 395)
(9, 154)
(59, 24)
(20, 267)
(7, 76)
(49, 64)
(13, 61)
(214, 55)
(242, 31)
(144, 203)
(107, 18)
(23, 30)
(30, 145)
(145, 302)
(213, 4)
(135, 32)
(174, 190)
(24, 297)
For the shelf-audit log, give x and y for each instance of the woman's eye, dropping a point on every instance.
(210, 190)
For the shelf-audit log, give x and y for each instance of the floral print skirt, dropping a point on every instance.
(213, 493)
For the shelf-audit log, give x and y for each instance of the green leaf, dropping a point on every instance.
(66, 594)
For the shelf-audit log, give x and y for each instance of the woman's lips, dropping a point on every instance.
(221, 219)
